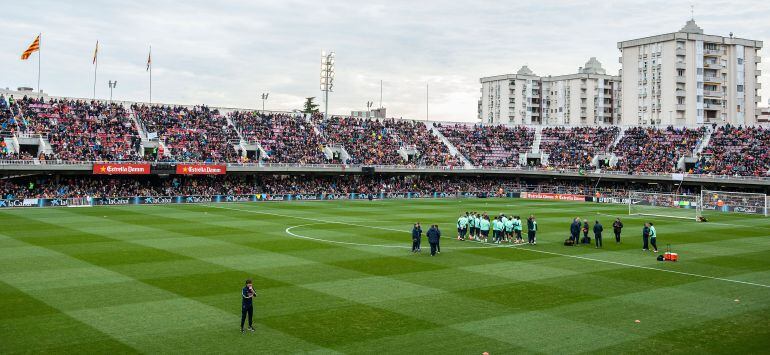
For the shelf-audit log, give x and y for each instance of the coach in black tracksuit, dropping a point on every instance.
(598, 229)
(574, 230)
(416, 237)
(433, 236)
(617, 227)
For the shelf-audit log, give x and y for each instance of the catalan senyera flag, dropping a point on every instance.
(149, 61)
(96, 52)
(34, 47)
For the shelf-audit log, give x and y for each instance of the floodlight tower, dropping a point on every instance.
(327, 78)
(264, 98)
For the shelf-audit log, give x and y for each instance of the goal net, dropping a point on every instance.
(738, 202)
(79, 202)
(664, 205)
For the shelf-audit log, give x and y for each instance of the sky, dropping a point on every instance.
(228, 53)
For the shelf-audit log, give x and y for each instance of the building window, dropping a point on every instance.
(740, 88)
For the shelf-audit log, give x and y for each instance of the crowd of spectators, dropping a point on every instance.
(65, 186)
(197, 134)
(649, 149)
(575, 148)
(489, 145)
(741, 151)
(285, 138)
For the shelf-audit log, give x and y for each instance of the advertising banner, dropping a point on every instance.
(551, 196)
(121, 169)
(200, 169)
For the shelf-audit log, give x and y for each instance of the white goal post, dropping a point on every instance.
(738, 202)
(664, 205)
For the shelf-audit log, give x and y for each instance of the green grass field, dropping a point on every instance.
(156, 279)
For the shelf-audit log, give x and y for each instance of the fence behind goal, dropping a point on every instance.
(664, 205)
(738, 202)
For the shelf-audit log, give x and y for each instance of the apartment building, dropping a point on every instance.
(588, 97)
(690, 78)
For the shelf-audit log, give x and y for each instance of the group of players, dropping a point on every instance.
(505, 229)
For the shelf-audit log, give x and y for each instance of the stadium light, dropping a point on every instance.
(112, 85)
(369, 108)
(327, 78)
(264, 98)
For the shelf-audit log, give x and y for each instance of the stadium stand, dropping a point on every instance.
(196, 134)
(648, 149)
(574, 148)
(489, 146)
(741, 151)
(285, 138)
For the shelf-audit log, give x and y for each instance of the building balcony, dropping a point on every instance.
(711, 106)
(680, 93)
(758, 86)
(757, 59)
(681, 79)
(712, 93)
(681, 107)
(714, 66)
(681, 51)
(758, 99)
(713, 52)
(758, 73)
(680, 65)
(712, 79)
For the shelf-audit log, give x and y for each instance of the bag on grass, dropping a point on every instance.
(569, 242)
(660, 257)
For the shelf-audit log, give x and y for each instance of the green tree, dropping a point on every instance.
(310, 106)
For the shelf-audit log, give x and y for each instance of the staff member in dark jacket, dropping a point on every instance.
(433, 236)
(617, 227)
(531, 229)
(645, 236)
(416, 237)
(247, 307)
(598, 229)
(574, 230)
(586, 228)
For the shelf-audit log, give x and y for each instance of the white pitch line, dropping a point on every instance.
(289, 232)
(357, 225)
(707, 223)
(647, 268)
(510, 246)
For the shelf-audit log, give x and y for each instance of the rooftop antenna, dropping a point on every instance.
(692, 12)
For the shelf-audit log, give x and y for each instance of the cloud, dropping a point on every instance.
(228, 53)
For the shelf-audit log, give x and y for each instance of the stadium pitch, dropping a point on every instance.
(339, 276)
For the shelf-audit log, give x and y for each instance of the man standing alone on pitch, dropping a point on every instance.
(617, 227)
(416, 237)
(531, 230)
(433, 237)
(598, 229)
(247, 308)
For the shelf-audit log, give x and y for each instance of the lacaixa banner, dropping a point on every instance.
(200, 169)
(121, 169)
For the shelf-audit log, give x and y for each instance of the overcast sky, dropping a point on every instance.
(227, 53)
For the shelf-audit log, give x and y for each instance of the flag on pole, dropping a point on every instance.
(34, 47)
(96, 52)
(149, 60)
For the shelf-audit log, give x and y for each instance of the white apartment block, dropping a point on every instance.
(689, 78)
(589, 97)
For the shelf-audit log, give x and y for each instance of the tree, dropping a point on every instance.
(310, 107)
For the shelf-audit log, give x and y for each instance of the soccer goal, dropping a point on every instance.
(79, 202)
(664, 205)
(738, 202)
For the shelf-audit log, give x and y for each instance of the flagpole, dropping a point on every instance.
(39, 54)
(96, 65)
(150, 60)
